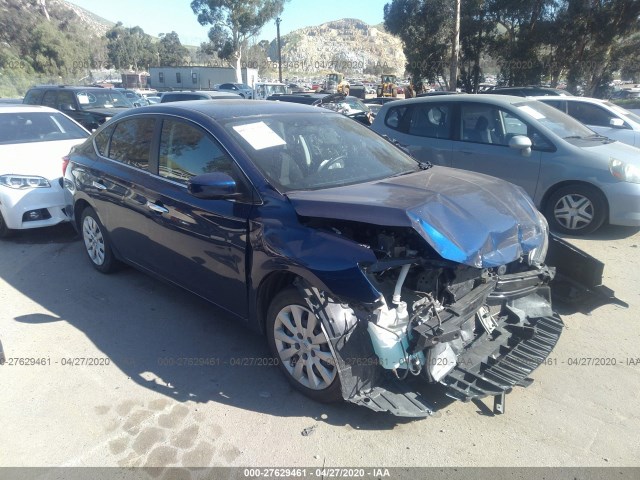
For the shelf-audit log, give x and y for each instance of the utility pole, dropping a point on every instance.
(455, 50)
(278, 20)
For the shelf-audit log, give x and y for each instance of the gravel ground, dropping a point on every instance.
(128, 406)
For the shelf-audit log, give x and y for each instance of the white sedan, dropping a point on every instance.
(33, 142)
(601, 116)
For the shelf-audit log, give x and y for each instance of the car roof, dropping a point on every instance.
(24, 108)
(223, 109)
(211, 93)
(70, 87)
(503, 100)
(570, 99)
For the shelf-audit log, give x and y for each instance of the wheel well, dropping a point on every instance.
(557, 186)
(269, 288)
(78, 208)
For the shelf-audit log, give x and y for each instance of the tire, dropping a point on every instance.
(5, 232)
(96, 243)
(576, 210)
(308, 363)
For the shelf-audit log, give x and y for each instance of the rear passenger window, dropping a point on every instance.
(49, 99)
(187, 151)
(432, 121)
(131, 142)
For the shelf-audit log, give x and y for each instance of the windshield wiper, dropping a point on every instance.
(572, 137)
(425, 165)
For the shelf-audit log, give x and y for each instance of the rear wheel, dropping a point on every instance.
(96, 244)
(576, 209)
(298, 340)
(5, 232)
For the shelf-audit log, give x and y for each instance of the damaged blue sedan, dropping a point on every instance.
(369, 273)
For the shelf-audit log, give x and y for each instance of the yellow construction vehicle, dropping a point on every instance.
(335, 83)
(388, 87)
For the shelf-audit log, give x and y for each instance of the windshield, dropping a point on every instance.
(106, 98)
(314, 151)
(558, 122)
(31, 127)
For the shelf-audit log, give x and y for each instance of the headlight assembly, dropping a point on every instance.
(21, 182)
(623, 171)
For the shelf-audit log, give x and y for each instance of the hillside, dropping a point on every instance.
(48, 41)
(348, 46)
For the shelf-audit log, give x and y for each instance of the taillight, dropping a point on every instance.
(65, 164)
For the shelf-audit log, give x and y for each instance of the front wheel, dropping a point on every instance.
(576, 210)
(96, 244)
(298, 340)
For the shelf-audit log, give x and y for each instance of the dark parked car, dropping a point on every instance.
(186, 96)
(527, 91)
(89, 106)
(363, 267)
(349, 106)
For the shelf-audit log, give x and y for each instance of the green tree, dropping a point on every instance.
(130, 48)
(170, 50)
(592, 41)
(233, 23)
(425, 27)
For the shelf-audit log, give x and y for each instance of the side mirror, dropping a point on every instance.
(212, 186)
(67, 107)
(616, 123)
(522, 143)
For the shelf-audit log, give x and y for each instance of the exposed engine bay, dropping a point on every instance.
(479, 331)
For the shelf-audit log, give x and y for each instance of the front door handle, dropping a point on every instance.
(154, 207)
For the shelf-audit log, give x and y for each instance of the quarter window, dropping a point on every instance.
(33, 97)
(394, 117)
(102, 140)
(131, 142)
(187, 151)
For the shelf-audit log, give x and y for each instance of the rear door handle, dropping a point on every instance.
(154, 207)
(98, 185)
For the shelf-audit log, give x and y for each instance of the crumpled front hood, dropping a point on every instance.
(466, 217)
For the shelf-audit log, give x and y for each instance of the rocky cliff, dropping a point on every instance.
(347, 46)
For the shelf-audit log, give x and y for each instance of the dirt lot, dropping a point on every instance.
(115, 387)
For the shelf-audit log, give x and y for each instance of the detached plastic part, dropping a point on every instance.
(578, 280)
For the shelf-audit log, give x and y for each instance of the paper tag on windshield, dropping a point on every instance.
(83, 99)
(259, 135)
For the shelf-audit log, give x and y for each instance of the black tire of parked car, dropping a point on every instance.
(590, 199)
(282, 303)
(5, 232)
(96, 242)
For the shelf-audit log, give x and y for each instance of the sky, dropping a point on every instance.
(176, 15)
